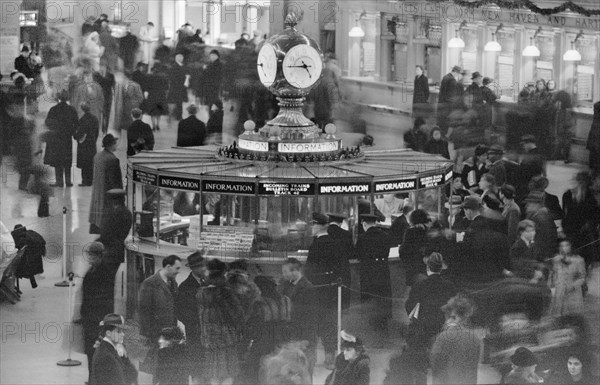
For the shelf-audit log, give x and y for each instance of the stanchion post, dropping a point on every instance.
(69, 361)
(64, 282)
(339, 317)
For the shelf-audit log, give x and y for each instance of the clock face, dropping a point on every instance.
(267, 64)
(302, 66)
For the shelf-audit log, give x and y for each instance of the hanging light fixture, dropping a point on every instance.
(573, 54)
(531, 50)
(493, 45)
(357, 31)
(456, 41)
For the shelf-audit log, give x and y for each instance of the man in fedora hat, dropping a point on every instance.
(511, 211)
(450, 96)
(474, 89)
(186, 305)
(373, 248)
(110, 365)
(546, 235)
(430, 295)
(523, 363)
(107, 176)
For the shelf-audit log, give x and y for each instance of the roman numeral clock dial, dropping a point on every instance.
(302, 66)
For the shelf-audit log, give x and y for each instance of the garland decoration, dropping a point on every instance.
(516, 4)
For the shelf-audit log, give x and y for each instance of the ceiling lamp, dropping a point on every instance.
(531, 50)
(573, 54)
(456, 41)
(357, 31)
(493, 45)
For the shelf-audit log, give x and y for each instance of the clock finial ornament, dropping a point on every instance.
(292, 19)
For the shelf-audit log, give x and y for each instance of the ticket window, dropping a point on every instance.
(583, 72)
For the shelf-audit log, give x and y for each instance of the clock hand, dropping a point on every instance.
(304, 66)
(262, 66)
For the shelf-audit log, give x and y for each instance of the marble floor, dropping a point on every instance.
(35, 332)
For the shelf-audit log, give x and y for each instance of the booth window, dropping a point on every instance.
(368, 51)
(505, 63)
(468, 55)
(583, 84)
(544, 64)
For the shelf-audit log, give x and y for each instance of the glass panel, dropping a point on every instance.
(583, 87)
(368, 59)
(505, 63)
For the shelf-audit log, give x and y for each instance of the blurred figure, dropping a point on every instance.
(62, 121)
(450, 96)
(116, 224)
(22, 63)
(212, 79)
(148, 36)
(455, 352)
(416, 138)
(546, 234)
(510, 211)
(540, 183)
(171, 359)
(22, 129)
(191, 131)
(31, 262)
(288, 366)
(389, 205)
(221, 321)
(487, 185)
(412, 251)
(532, 164)
(352, 365)
(474, 168)
(156, 101)
(593, 141)
(525, 255)
(93, 49)
(582, 217)
(106, 80)
(128, 46)
(489, 99)
(524, 363)
(436, 145)
(107, 176)
(178, 83)
(568, 278)
(127, 97)
(86, 137)
(561, 131)
(214, 126)
(400, 224)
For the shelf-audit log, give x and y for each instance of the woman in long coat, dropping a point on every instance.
(86, 137)
(156, 103)
(62, 123)
(221, 321)
(568, 277)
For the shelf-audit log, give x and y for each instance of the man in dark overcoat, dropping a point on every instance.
(177, 86)
(449, 98)
(139, 130)
(98, 297)
(191, 131)
(107, 176)
(110, 365)
(186, 308)
(344, 250)
(62, 121)
(373, 248)
(86, 137)
(324, 267)
(116, 223)
(212, 79)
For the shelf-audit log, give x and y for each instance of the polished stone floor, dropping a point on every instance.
(35, 331)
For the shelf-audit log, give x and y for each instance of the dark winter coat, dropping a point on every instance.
(98, 294)
(31, 262)
(107, 176)
(455, 356)
(186, 308)
(156, 306)
(373, 248)
(115, 227)
(412, 251)
(88, 132)
(177, 90)
(415, 139)
(471, 173)
(431, 293)
(110, 369)
(438, 147)
(546, 235)
(191, 131)
(157, 85)
(399, 227)
(524, 258)
(450, 91)
(221, 316)
(62, 121)
(303, 314)
(139, 130)
(22, 65)
(593, 141)
(171, 366)
(215, 122)
(355, 372)
(421, 90)
(211, 83)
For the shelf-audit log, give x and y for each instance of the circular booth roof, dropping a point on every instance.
(199, 169)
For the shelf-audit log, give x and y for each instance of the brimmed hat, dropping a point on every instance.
(419, 216)
(508, 191)
(496, 149)
(456, 200)
(108, 140)
(535, 197)
(350, 341)
(435, 262)
(94, 248)
(113, 319)
(471, 203)
(195, 260)
(457, 69)
(487, 81)
(528, 139)
(336, 217)
(539, 183)
(172, 333)
(523, 357)
(369, 218)
(481, 149)
(320, 219)
(116, 192)
(475, 75)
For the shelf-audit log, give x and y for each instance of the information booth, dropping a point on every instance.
(254, 199)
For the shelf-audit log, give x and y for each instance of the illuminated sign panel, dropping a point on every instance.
(344, 188)
(396, 185)
(228, 187)
(286, 188)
